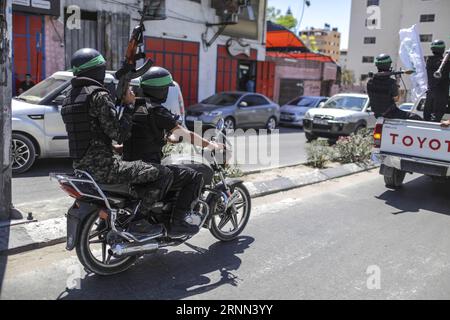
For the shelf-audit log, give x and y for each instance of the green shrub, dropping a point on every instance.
(356, 148)
(319, 153)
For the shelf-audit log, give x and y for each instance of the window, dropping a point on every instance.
(427, 17)
(222, 99)
(370, 40)
(254, 100)
(371, 22)
(426, 37)
(373, 3)
(367, 59)
(346, 103)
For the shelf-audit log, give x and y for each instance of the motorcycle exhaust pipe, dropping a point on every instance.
(128, 250)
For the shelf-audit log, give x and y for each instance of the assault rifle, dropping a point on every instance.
(134, 52)
(390, 73)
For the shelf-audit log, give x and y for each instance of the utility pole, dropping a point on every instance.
(5, 108)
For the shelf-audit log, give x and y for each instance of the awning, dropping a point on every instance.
(283, 43)
(311, 56)
(281, 39)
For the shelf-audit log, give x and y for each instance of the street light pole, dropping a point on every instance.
(5, 108)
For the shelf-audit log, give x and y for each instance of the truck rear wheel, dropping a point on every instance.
(395, 180)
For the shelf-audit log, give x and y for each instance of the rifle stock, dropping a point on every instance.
(438, 73)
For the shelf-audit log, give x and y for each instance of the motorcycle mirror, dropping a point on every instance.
(220, 125)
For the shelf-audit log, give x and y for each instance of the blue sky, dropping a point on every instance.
(334, 12)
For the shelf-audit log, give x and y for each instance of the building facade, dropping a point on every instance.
(326, 41)
(375, 26)
(185, 41)
(298, 71)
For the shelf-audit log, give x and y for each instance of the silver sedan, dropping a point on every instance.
(239, 109)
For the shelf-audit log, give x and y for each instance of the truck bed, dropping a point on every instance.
(416, 139)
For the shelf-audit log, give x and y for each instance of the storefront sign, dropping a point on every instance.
(236, 48)
(47, 7)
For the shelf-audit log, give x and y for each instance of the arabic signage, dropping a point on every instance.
(47, 7)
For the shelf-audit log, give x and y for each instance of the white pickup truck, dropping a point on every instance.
(405, 146)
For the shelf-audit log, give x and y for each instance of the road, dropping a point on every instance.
(344, 239)
(35, 185)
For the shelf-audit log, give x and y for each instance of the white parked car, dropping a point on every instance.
(419, 107)
(341, 115)
(37, 126)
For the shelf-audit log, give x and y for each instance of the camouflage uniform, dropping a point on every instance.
(106, 167)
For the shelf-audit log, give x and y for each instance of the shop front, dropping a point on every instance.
(239, 70)
(29, 39)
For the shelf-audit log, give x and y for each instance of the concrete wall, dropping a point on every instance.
(54, 45)
(290, 69)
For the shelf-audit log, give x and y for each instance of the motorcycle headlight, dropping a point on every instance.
(214, 113)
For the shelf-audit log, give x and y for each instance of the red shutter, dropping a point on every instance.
(226, 75)
(265, 78)
(181, 58)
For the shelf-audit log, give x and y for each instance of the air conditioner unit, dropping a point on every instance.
(155, 9)
(229, 10)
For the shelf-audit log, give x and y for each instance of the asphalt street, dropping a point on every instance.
(35, 184)
(349, 238)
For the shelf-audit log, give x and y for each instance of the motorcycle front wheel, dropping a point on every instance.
(228, 225)
(93, 249)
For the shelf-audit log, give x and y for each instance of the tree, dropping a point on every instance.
(273, 13)
(288, 21)
(348, 77)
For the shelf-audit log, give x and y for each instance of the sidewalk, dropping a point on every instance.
(32, 235)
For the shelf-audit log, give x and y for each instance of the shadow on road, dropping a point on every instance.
(43, 167)
(416, 194)
(168, 275)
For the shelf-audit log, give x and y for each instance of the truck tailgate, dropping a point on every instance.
(416, 139)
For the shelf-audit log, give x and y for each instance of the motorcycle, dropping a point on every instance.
(98, 220)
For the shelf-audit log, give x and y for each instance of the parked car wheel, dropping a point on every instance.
(310, 137)
(271, 124)
(230, 124)
(395, 181)
(23, 153)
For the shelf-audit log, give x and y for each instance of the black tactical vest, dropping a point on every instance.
(75, 114)
(147, 140)
(379, 89)
(439, 85)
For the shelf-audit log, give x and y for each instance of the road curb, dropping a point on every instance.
(264, 188)
(25, 237)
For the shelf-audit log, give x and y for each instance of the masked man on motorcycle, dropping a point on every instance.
(383, 92)
(152, 123)
(93, 121)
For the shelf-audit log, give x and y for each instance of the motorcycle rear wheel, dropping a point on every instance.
(90, 235)
(241, 208)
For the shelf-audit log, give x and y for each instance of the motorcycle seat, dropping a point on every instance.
(118, 189)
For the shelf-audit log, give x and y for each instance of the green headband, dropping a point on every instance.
(97, 61)
(387, 61)
(158, 82)
(438, 46)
